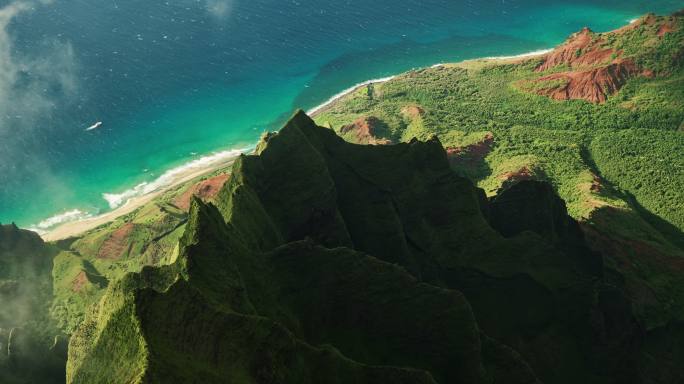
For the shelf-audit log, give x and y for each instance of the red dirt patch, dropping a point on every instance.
(79, 282)
(580, 50)
(116, 244)
(524, 173)
(596, 185)
(205, 190)
(649, 19)
(597, 72)
(594, 85)
(364, 130)
(471, 155)
(665, 29)
(412, 111)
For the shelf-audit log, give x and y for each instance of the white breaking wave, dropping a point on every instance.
(521, 56)
(61, 218)
(116, 200)
(348, 91)
(386, 79)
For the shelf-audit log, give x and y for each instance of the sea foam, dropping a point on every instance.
(171, 176)
(65, 217)
(520, 56)
(348, 91)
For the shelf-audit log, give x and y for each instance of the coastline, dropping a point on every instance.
(315, 110)
(142, 194)
(132, 199)
(321, 107)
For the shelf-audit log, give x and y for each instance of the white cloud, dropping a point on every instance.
(31, 85)
(219, 8)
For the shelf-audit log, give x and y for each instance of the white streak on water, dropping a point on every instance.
(65, 217)
(116, 200)
(348, 91)
(521, 56)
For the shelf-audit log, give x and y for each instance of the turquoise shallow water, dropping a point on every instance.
(174, 81)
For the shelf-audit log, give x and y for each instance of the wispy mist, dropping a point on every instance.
(34, 84)
(29, 83)
(219, 8)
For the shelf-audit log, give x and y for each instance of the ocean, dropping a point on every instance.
(179, 83)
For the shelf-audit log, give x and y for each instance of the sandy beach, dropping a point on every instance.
(75, 228)
(135, 198)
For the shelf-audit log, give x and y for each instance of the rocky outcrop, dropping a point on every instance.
(595, 66)
(366, 130)
(205, 190)
(412, 112)
(378, 253)
(527, 172)
(665, 28)
(530, 206)
(471, 154)
(582, 49)
(594, 85)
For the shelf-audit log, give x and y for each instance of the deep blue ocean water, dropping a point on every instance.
(175, 80)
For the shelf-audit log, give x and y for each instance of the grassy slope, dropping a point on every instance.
(147, 236)
(566, 142)
(236, 281)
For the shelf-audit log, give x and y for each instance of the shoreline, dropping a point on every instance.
(77, 222)
(321, 107)
(139, 195)
(315, 110)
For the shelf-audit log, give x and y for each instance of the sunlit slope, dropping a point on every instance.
(574, 117)
(323, 261)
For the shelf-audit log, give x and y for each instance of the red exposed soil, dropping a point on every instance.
(596, 185)
(650, 19)
(364, 130)
(412, 111)
(205, 190)
(665, 29)
(580, 50)
(596, 72)
(117, 243)
(524, 173)
(471, 155)
(79, 282)
(594, 85)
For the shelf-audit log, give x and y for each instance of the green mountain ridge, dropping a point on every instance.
(421, 281)
(502, 237)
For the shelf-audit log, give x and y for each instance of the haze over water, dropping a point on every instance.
(174, 81)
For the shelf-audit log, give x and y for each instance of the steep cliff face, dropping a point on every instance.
(580, 50)
(31, 349)
(594, 85)
(366, 130)
(593, 66)
(324, 261)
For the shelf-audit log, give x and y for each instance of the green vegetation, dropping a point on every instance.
(383, 258)
(321, 260)
(32, 350)
(648, 166)
(568, 143)
(650, 45)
